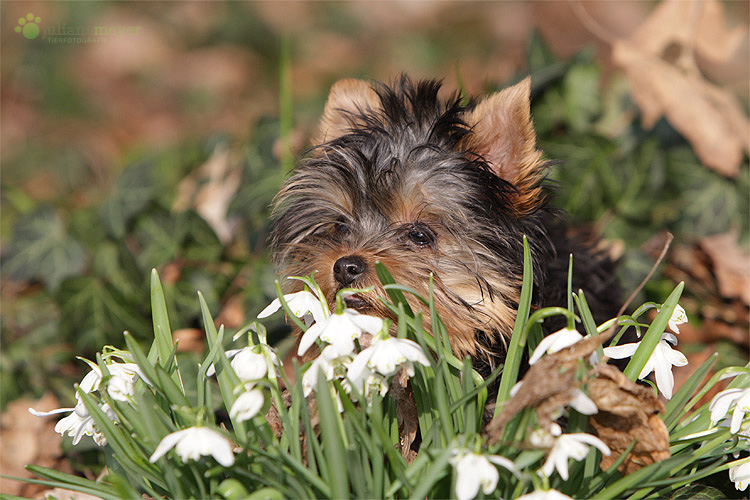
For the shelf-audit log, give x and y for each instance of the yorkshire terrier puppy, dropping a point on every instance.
(432, 187)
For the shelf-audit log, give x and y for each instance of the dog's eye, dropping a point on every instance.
(341, 228)
(421, 236)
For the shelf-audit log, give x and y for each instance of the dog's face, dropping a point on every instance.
(428, 189)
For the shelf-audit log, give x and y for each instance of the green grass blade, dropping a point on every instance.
(333, 441)
(653, 335)
(517, 339)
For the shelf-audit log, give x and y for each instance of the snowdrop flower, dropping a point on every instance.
(555, 342)
(367, 384)
(340, 330)
(387, 355)
(567, 446)
(660, 362)
(247, 405)
(740, 475)
(331, 369)
(545, 495)
(247, 364)
(78, 422)
(121, 385)
(302, 304)
(723, 401)
(679, 316)
(476, 471)
(193, 442)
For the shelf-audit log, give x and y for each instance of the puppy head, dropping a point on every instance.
(428, 188)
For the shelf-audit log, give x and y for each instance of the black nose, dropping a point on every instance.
(347, 269)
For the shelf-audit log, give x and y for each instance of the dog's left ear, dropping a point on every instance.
(503, 134)
(348, 100)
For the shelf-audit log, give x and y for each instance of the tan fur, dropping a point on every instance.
(504, 135)
(348, 96)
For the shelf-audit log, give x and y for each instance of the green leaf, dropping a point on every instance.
(698, 491)
(333, 441)
(653, 335)
(581, 96)
(40, 248)
(132, 192)
(94, 312)
(162, 347)
(517, 339)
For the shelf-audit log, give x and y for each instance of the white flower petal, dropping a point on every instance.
(91, 381)
(166, 444)
(722, 402)
(583, 404)
(621, 351)
(249, 365)
(741, 408)
(573, 446)
(472, 473)
(309, 337)
(369, 324)
(504, 462)
(545, 495)
(678, 317)
(740, 476)
(663, 358)
(300, 303)
(555, 342)
(247, 405)
(194, 442)
(37, 413)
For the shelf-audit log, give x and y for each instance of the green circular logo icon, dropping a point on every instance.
(29, 26)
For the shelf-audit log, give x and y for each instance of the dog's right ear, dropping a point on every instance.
(348, 100)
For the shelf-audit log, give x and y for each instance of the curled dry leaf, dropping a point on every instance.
(547, 394)
(210, 189)
(659, 59)
(408, 422)
(627, 412)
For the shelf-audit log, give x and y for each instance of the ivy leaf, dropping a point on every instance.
(698, 491)
(40, 248)
(133, 191)
(95, 312)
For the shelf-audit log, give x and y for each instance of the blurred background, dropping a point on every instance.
(140, 135)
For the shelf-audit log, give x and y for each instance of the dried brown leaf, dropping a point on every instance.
(27, 439)
(210, 189)
(731, 265)
(627, 412)
(659, 61)
(408, 422)
(189, 340)
(548, 394)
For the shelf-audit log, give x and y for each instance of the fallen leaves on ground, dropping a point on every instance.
(716, 270)
(659, 59)
(209, 190)
(28, 440)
